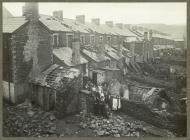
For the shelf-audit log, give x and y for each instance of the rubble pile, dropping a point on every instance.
(24, 120)
(115, 126)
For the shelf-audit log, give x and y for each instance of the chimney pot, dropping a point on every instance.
(96, 21)
(23, 10)
(80, 18)
(58, 14)
(119, 25)
(109, 23)
(145, 35)
(30, 11)
(150, 34)
(76, 51)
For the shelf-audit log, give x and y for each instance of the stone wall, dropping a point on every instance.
(142, 112)
(86, 102)
(67, 97)
(32, 53)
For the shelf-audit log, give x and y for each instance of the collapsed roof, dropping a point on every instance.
(52, 76)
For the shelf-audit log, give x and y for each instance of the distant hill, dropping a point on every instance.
(177, 31)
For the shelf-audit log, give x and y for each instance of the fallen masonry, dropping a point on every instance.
(25, 120)
(118, 126)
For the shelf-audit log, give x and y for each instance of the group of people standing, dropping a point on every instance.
(103, 100)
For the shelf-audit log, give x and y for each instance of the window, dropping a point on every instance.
(107, 63)
(92, 39)
(101, 38)
(55, 39)
(108, 39)
(69, 40)
(82, 39)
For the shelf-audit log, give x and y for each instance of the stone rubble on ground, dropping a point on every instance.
(114, 126)
(24, 120)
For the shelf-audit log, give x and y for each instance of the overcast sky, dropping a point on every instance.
(129, 13)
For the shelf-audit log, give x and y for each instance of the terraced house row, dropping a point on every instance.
(39, 51)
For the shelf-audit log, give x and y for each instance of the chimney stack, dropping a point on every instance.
(119, 25)
(127, 26)
(58, 14)
(23, 10)
(76, 50)
(101, 51)
(119, 49)
(150, 35)
(80, 18)
(145, 35)
(30, 11)
(96, 21)
(109, 23)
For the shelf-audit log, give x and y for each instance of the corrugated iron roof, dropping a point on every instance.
(65, 55)
(11, 24)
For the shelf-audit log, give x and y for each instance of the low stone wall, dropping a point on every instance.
(142, 112)
(67, 98)
(86, 102)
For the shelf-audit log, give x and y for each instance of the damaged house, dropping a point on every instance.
(27, 52)
(29, 71)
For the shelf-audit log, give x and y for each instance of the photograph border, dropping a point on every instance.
(106, 138)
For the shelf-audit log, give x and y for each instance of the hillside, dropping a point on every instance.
(177, 31)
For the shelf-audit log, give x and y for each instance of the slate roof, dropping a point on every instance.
(125, 51)
(162, 36)
(54, 24)
(109, 30)
(140, 32)
(124, 31)
(52, 76)
(93, 55)
(11, 24)
(76, 26)
(161, 47)
(65, 54)
(96, 28)
(111, 52)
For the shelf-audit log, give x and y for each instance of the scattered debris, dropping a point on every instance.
(22, 120)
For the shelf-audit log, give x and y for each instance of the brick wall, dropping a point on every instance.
(67, 98)
(86, 102)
